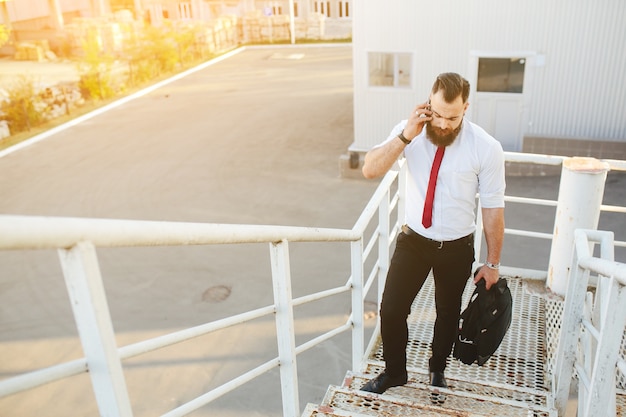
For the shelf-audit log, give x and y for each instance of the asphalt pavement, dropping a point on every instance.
(252, 139)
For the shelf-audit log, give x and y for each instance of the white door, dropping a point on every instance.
(500, 114)
(499, 97)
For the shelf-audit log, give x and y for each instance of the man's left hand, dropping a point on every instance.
(491, 276)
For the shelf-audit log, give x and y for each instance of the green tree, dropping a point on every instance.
(161, 47)
(4, 34)
(185, 37)
(95, 69)
(151, 53)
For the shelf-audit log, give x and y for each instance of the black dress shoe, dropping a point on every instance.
(437, 379)
(383, 382)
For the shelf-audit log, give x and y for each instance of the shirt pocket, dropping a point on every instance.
(463, 185)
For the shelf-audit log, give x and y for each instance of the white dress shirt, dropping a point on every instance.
(473, 163)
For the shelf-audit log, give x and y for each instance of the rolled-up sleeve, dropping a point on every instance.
(491, 178)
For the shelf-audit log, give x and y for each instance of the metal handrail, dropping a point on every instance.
(32, 232)
(65, 234)
(599, 354)
(68, 234)
(556, 160)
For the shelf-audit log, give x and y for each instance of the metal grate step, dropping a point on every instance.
(346, 402)
(512, 383)
(463, 396)
(314, 410)
(520, 359)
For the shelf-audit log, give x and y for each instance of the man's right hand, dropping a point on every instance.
(420, 115)
(379, 160)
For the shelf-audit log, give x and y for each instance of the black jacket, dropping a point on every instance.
(484, 323)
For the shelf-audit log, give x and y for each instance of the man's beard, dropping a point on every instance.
(439, 137)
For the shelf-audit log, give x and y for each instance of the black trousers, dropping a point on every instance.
(412, 261)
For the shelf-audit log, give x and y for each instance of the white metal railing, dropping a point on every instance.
(76, 240)
(592, 328)
(552, 160)
(615, 165)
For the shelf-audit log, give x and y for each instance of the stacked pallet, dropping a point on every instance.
(259, 28)
(35, 50)
(109, 35)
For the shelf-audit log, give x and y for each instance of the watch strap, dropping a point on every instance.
(403, 139)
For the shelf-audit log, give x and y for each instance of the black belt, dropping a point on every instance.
(439, 244)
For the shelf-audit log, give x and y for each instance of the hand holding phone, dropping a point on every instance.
(420, 116)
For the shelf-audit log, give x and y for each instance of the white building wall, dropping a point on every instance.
(578, 87)
(27, 9)
(32, 9)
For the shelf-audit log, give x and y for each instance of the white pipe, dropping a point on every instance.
(42, 376)
(578, 206)
(95, 328)
(357, 296)
(204, 399)
(533, 158)
(285, 327)
(26, 232)
(292, 23)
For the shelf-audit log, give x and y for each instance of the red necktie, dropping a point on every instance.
(427, 216)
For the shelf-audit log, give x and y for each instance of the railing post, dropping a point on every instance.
(478, 236)
(607, 251)
(402, 180)
(608, 314)
(91, 312)
(600, 400)
(568, 337)
(383, 243)
(358, 325)
(598, 356)
(384, 226)
(578, 207)
(285, 329)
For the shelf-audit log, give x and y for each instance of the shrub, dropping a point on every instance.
(96, 81)
(24, 108)
(4, 34)
(160, 46)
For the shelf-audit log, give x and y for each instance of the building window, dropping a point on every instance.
(390, 69)
(344, 9)
(184, 10)
(501, 75)
(322, 7)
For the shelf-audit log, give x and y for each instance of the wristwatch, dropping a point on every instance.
(403, 139)
(492, 266)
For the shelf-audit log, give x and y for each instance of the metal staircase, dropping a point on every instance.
(512, 383)
(527, 376)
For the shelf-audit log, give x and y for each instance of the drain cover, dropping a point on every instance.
(216, 294)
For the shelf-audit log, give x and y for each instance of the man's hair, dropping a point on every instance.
(453, 85)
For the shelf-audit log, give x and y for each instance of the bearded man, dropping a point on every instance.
(448, 163)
